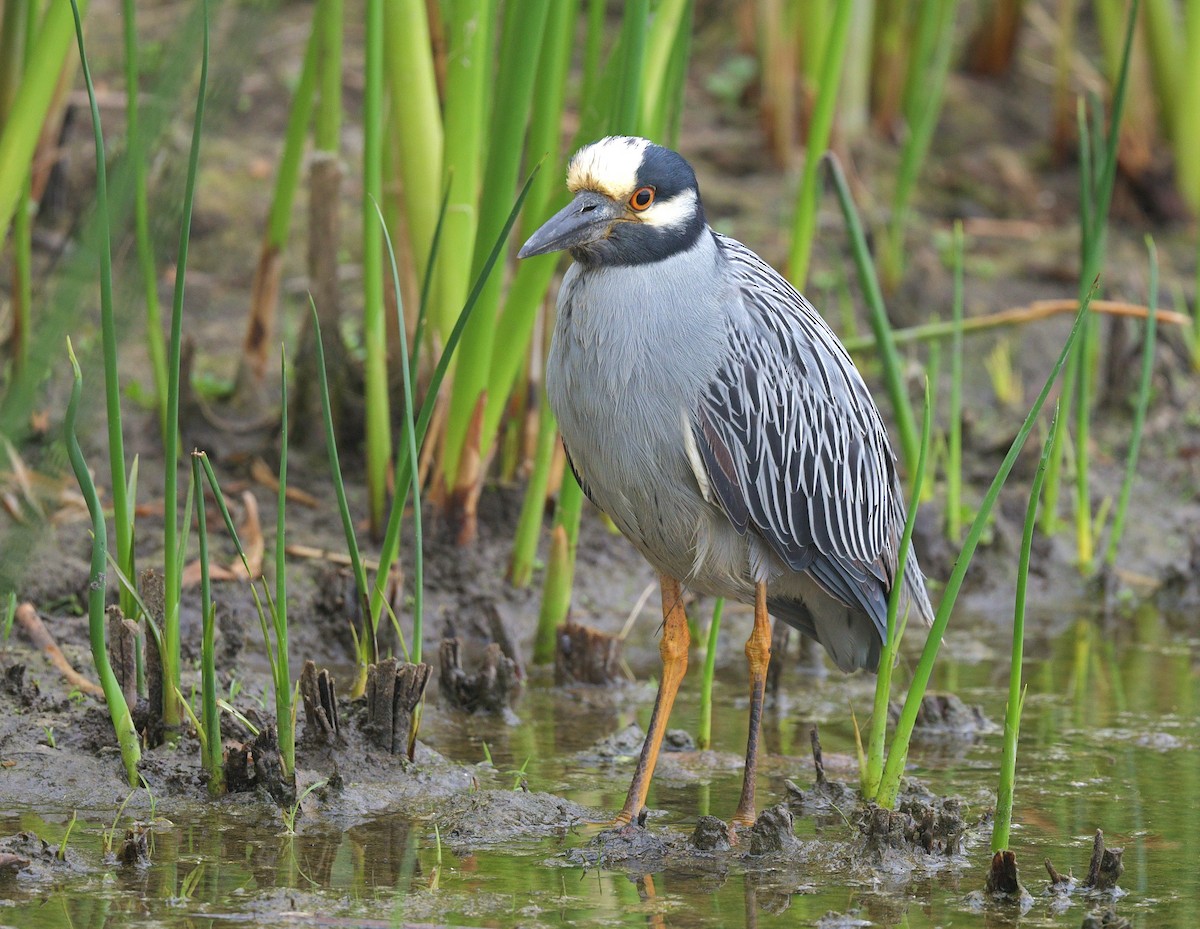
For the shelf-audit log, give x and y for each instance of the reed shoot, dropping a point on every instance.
(898, 752)
(118, 709)
(1142, 404)
(872, 771)
(704, 734)
(1016, 693)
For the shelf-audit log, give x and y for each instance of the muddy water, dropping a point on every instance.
(1109, 741)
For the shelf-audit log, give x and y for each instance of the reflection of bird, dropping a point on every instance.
(708, 409)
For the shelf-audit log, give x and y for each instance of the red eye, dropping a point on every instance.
(642, 198)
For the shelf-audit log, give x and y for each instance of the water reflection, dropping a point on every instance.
(1109, 741)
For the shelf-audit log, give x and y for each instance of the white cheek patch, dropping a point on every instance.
(610, 165)
(678, 211)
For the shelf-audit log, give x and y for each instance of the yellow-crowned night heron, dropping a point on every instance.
(708, 409)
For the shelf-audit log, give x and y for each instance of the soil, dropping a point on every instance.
(993, 168)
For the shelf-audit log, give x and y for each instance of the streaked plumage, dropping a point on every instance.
(713, 414)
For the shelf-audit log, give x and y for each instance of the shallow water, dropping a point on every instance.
(1109, 741)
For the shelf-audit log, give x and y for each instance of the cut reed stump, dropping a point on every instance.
(1003, 881)
(150, 723)
(1106, 918)
(479, 658)
(1104, 870)
(258, 765)
(491, 688)
(1106, 867)
(320, 704)
(394, 690)
(586, 656)
(135, 849)
(122, 652)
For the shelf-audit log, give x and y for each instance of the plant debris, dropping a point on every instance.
(586, 656)
(394, 689)
(320, 704)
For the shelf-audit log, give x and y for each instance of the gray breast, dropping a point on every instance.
(633, 348)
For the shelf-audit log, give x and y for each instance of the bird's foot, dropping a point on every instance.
(623, 820)
(742, 819)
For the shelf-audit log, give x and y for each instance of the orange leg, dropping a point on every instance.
(758, 654)
(674, 651)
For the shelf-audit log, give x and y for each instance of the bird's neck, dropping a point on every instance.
(631, 312)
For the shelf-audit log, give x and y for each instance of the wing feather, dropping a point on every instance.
(794, 445)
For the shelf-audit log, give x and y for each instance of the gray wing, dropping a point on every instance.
(795, 447)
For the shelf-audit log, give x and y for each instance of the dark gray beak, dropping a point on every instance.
(585, 219)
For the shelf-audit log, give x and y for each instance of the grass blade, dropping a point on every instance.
(1016, 694)
(898, 753)
(378, 415)
(954, 465)
(122, 515)
(210, 720)
(362, 637)
(873, 770)
(892, 371)
(284, 717)
(804, 225)
(704, 731)
(408, 439)
(171, 572)
(391, 540)
(1139, 414)
(118, 709)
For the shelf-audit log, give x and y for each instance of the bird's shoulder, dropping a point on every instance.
(778, 337)
(790, 433)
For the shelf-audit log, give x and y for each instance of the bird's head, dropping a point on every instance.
(635, 202)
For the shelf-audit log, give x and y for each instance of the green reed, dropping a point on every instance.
(893, 371)
(560, 568)
(521, 36)
(924, 88)
(135, 152)
(123, 518)
(898, 752)
(18, 33)
(533, 506)
(1172, 38)
(31, 102)
(410, 453)
(1141, 405)
(118, 709)
(1096, 185)
(954, 463)
(704, 729)
(378, 404)
(804, 223)
(1002, 823)
(280, 664)
(264, 290)
(372, 596)
(872, 771)
(517, 318)
(209, 728)
(364, 636)
(271, 609)
(172, 568)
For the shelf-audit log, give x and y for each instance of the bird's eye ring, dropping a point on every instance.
(641, 199)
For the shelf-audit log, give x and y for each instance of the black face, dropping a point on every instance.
(634, 241)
